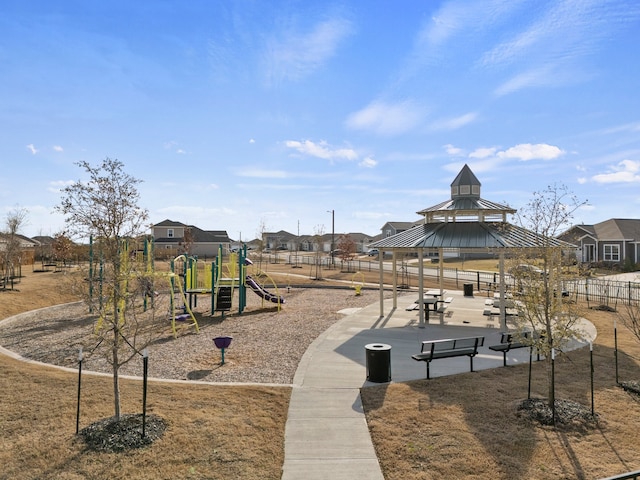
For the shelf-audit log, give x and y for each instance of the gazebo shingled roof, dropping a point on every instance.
(466, 222)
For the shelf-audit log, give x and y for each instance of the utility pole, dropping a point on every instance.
(333, 234)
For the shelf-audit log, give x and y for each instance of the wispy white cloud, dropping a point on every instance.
(58, 148)
(528, 151)
(31, 147)
(534, 77)
(292, 56)
(457, 18)
(627, 171)
(321, 150)
(548, 51)
(454, 123)
(386, 118)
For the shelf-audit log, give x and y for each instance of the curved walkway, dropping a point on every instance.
(326, 434)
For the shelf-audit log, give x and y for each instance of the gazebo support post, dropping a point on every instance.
(381, 277)
(421, 287)
(503, 309)
(441, 271)
(394, 268)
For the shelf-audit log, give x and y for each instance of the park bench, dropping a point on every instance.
(509, 341)
(448, 348)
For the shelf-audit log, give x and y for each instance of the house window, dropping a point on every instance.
(454, 190)
(475, 189)
(465, 189)
(170, 232)
(388, 233)
(611, 253)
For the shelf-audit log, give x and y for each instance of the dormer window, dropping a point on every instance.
(465, 189)
(454, 190)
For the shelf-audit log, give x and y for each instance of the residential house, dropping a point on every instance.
(179, 238)
(393, 228)
(614, 241)
(281, 240)
(25, 248)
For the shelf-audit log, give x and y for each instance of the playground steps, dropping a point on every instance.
(224, 299)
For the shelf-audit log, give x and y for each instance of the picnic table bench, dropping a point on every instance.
(510, 341)
(448, 348)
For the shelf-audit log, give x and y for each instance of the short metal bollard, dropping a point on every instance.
(378, 362)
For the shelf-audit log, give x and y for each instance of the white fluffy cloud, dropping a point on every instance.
(368, 162)
(528, 151)
(322, 150)
(483, 152)
(453, 150)
(627, 171)
(31, 147)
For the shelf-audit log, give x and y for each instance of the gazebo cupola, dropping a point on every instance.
(466, 204)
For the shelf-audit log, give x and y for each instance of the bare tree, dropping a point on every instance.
(63, 248)
(318, 234)
(542, 307)
(629, 314)
(262, 229)
(185, 246)
(105, 207)
(12, 248)
(346, 250)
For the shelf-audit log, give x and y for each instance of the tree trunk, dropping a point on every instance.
(116, 366)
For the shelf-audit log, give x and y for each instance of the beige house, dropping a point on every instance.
(178, 238)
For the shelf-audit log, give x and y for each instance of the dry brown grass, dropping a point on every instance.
(468, 425)
(449, 427)
(213, 432)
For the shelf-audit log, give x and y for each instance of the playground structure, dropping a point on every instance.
(220, 279)
(187, 279)
(136, 269)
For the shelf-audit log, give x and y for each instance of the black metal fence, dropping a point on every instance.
(598, 290)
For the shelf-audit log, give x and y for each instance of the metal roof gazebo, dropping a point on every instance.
(466, 222)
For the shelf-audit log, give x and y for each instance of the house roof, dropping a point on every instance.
(169, 223)
(43, 239)
(22, 240)
(618, 229)
(198, 235)
(401, 225)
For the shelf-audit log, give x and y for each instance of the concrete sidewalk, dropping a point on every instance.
(326, 435)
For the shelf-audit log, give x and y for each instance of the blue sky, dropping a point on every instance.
(237, 114)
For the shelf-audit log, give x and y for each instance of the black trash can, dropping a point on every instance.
(468, 289)
(378, 362)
